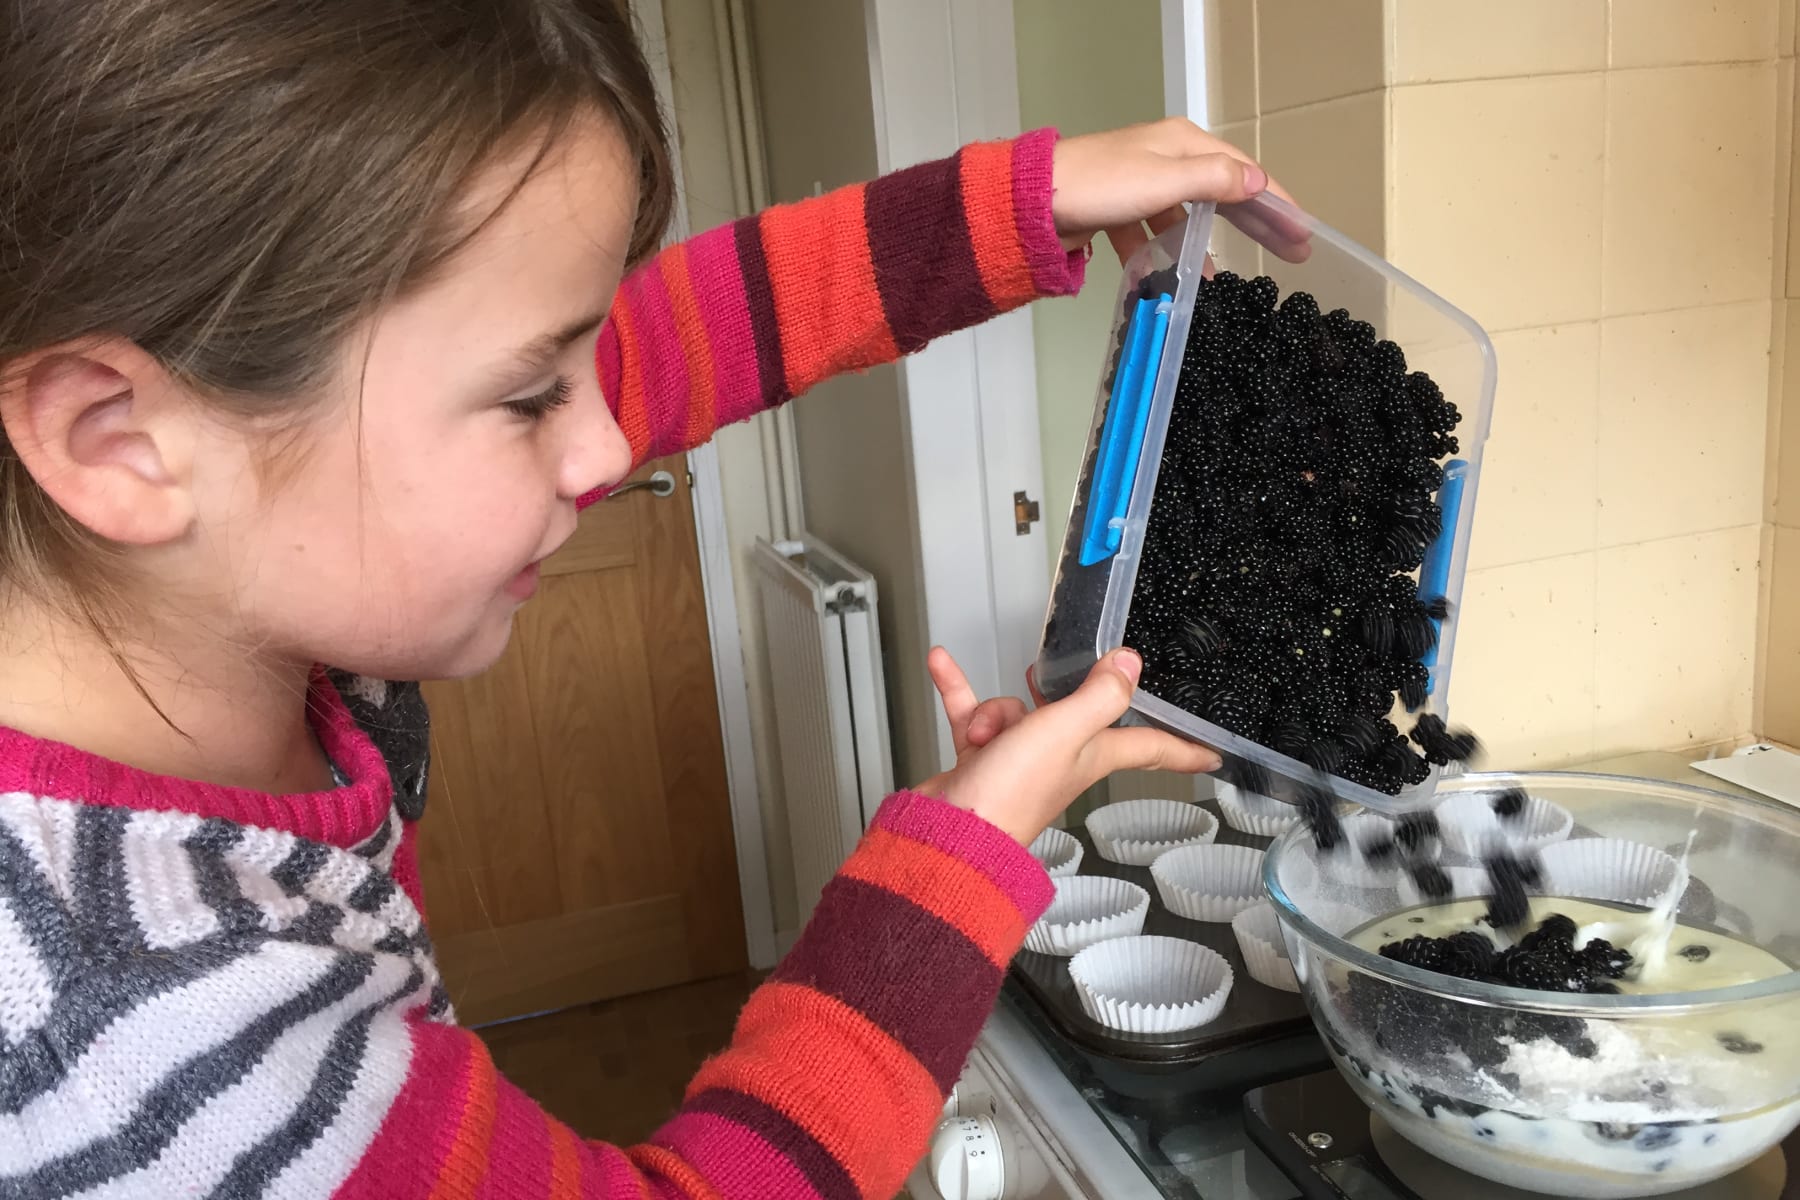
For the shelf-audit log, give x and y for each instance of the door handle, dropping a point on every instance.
(661, 485)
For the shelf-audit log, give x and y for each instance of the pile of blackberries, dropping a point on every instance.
(1296, 499)
(1544, 960)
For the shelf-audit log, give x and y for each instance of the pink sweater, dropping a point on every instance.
(213, 992)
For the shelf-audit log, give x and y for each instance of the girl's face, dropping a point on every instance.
(446, 464)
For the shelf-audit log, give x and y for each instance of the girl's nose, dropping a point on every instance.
(596, 453)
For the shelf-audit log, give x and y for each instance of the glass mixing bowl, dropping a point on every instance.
(1570, 1094)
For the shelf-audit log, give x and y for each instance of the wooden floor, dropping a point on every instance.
(616, 1070)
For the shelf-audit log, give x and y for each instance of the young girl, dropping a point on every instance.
(300, 312)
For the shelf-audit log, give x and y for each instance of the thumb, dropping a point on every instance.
(1221, 177)
(1104, 696)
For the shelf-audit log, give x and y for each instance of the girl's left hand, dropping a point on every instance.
(1119, 181)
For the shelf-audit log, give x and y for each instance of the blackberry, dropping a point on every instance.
(1510, 803)
(1695, 953)
(1737, 1043)
(1416, 831)
(1431, 879)
(1508, 906)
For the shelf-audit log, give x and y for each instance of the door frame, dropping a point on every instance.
(718, 583)
(942, 74)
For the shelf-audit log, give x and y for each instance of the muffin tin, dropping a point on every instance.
(1253, 1014)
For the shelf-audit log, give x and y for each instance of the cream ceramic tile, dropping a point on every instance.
(1792, 168)
(1312, 50)
(1683, 416)
(1245, 135)
(1677, 631)
(1785, 35)
(1689, 187)
(1777, 424)
(1538, 496)
(1781, 663)
(1438, 40)
(1779, 248)
(1495, 196)
(1787, 469)
(1523, 675)
(1662, 33)
(1330, 155)
(1230, 61)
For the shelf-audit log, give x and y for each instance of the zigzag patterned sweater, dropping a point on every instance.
(211, 992)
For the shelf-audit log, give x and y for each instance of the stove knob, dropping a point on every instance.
(967, 1161)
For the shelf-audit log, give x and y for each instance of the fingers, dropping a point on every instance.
(1142, 749)
(993, 718)
(1167, 219)
(1102, 697)
(1127, 240)
(953, 688)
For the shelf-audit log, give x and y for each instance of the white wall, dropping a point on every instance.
(812, 59)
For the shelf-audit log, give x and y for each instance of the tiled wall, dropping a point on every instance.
(1599, 185)
(1778, 692)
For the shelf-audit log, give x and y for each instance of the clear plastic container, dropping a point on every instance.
(1091, 597)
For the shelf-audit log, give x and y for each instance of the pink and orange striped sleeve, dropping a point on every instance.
(718, 328)
(835, 1077)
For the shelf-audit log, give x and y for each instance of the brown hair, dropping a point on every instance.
(234, 185)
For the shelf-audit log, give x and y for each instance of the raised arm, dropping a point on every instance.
(718, 328)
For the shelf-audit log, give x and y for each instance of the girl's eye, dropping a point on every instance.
(536, 408)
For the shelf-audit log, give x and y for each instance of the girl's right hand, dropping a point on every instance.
(1019, 770)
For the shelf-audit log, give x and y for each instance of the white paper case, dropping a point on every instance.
(1471, 827)
(1088, 909)
(1209, 883)
(1059, 851)
(1151, 984)
(1258, 932)
(1135, 832)
(1256, 815)
(1607, 869)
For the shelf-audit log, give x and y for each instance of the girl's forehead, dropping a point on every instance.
(549, 253)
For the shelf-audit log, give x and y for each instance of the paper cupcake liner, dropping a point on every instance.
(1209, 883)
(1151, 984)
(1088, 909)
(1465, 883)
(1607, 869)
(1258, 932)
(1059, 851)
(1471, 828)
(1256, 815)
(1136, 832)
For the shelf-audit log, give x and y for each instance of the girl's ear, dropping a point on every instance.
(108, 434)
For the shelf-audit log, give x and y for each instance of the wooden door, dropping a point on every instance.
(578, 842)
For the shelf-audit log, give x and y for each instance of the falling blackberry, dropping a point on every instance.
(1296, 497)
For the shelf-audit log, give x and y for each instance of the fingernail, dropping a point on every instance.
(1255, 179)
(1130, 665)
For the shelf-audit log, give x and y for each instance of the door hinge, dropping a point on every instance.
(1026, 513)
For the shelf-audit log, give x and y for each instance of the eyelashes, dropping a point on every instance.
(536, 408)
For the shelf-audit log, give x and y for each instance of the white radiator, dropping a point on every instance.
(819, 620)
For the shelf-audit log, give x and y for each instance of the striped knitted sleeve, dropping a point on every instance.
(720, 327)
(835, 1077)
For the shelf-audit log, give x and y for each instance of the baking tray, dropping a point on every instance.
(1255, 1015)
